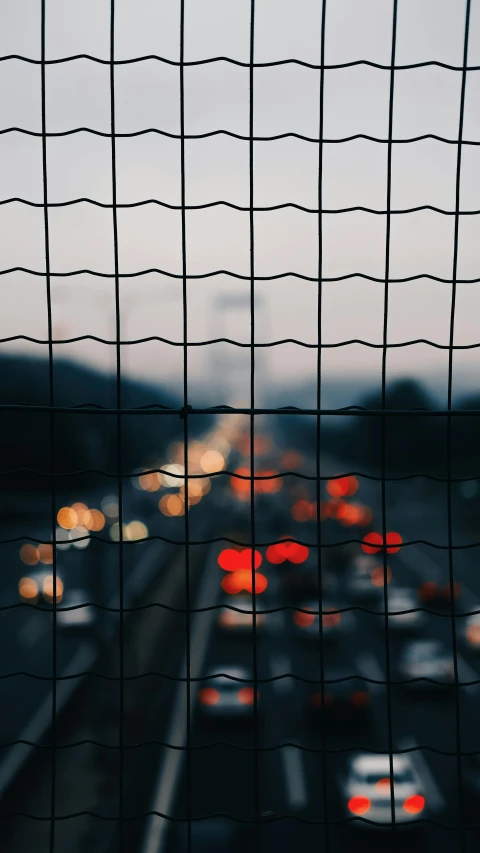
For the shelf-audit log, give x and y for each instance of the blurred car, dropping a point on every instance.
(366, 790)
(307, 625)
(239, 623)
(223, 698)
(401, 599)
(431, 592)
(344, 703)
(472, 632)
(37, 589)
(426, 659)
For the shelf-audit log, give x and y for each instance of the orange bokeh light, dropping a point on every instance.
(29, 555)
(28, 589)
(48, 587)
(45, 553)
(94, 520)
(80, 509)
(149, 482)
(67, 518)
(172, 505)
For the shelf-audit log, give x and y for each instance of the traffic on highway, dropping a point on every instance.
(289, 708)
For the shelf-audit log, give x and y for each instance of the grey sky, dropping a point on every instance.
(286, 99)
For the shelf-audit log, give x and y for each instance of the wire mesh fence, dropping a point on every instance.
(337, 796)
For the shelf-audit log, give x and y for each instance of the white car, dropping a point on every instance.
(426, 659)
(401, 599)
(366, 790)
(472, 632)
(306, 623)
(225, 698)
(239, 623)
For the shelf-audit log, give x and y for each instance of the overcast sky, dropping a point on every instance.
(286, 99)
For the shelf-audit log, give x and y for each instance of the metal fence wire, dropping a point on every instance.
(188, 412)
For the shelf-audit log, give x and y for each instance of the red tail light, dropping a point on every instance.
(359, 699)
(316, 699)
(414, 804)
(208, 696)
(246, 695)
(359, 805)
(303, 620)
(331, 619)
(427, 591)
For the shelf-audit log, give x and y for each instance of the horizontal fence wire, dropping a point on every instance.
(264, 209)
(274, 63)
(230, 133)
(244, 543)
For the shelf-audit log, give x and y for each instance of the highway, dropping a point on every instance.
(299, 767)
(280, 773)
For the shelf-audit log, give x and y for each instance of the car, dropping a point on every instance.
(431, 592)
(225, 697)
(344, 701)
(37, 588)
(239, 623)
(426, 659)
(306, 623)
(366, 790)
(472, 632)
(400, 600)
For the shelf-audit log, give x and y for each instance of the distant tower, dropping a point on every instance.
(230, 365)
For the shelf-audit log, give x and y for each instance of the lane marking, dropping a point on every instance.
(295, 780)
(434, 797)
(168, 778)
(40, 721)
(279, 665)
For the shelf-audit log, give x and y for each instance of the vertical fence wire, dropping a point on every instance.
(51, 428)
(121, 698)
(449, 429)
(383, 419)
(256, 773)
(324, 774)
(185, 428)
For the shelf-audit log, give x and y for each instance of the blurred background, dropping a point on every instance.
(154, 695)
